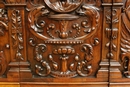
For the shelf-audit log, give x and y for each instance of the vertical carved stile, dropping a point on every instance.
(18, 63)
(17, 34)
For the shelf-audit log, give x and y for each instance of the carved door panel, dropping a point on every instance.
(59, 43)
(64, 42)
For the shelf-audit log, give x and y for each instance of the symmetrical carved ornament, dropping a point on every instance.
(61, 36)
(3, 21)
(125, 39)
(16, 33)
(111, 18)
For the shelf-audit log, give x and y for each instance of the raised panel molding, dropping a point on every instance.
(64, 43)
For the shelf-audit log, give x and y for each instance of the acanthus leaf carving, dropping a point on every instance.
(17, 34)
(41, 19)
(63, 33)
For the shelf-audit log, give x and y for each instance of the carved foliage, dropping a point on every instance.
(17, 34)
(111, 33)
(3, 21)
(36, 26)
(62, 38)
(83, 68)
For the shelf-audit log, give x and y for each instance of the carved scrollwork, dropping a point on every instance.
(85, 65)
(39, 49)
(33, 19)
(39, 69)
(36, 27)
(58, 28)
(3, 21)
(93, 13)
(125, 34)
(42, 48)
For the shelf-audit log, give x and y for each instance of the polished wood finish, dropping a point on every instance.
(59, 43)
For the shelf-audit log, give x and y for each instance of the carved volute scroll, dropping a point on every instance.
(77, 22)
(125, 35)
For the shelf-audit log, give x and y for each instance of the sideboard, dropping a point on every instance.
(60, 43)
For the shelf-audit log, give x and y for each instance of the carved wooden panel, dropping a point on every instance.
(65, 42)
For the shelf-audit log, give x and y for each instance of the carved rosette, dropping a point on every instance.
(41, 19)
(125, 34)
(3, 21)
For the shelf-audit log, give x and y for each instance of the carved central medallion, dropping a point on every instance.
(63, 6)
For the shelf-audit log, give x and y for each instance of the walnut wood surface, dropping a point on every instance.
(59, 43)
